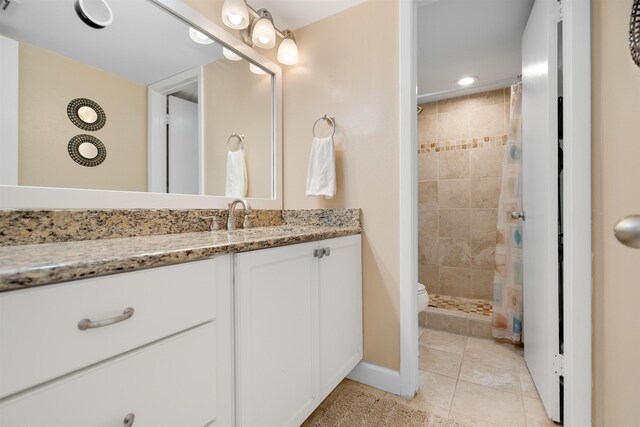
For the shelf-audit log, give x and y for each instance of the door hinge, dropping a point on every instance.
(558, 11)
(166, 119)
(558, 364)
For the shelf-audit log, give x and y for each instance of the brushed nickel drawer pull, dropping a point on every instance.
(90, 324)
(129, 419)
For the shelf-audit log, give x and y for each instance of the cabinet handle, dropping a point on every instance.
(90, 324)
(326, 251)
(129, 419)
(318, 253)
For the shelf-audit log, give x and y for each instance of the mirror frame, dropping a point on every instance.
(13, 196)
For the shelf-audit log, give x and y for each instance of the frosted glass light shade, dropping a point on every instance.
(263, 34)
(199, 37)
(235, 14)
(288, 52)
(230, 55)
(256, 70)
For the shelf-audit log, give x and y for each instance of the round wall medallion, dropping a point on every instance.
(87, 150)
(86, 114)
(634, 32)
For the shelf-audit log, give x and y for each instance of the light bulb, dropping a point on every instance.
(256, 70)
(263, 34)
(288, 50)
(235, 14)
(230, 55)
(466, 81)
(199, 37)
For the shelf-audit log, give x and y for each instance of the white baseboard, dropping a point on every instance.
(376, 376)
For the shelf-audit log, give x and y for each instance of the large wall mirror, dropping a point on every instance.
(143, 96)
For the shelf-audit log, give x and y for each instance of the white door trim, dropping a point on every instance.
(408, 212)
(577, 210)
(9, 66)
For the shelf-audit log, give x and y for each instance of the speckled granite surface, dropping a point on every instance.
(34, 265)
(323, 217)
(27, 227)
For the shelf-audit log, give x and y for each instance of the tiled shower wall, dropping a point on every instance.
(461, 145)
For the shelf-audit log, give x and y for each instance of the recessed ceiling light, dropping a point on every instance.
(466, 81)
(231, 55)
(94, 13)
(199, 37)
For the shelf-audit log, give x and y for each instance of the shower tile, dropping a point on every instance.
(447, 322)
(486, 120)
(454, 223)
(485, 192)
(482, 284)
(453, 125)
(430, 108)
(480, 329)
(428, 195)
(483, 254)
(427, 167)
(455, 281)
(454, 193)
(488, 404)
(427, 128)
(486, 98)
(486, 161)
(428, 223)
(428, 275)
(453, 164)
(428, 251)
(484, 223)
(452, 104)
(454, 252)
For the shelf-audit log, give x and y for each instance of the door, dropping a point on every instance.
(277, 336)
(340, 288)
(182, 147)
(540, 201)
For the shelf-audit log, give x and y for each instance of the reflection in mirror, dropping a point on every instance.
(171, 93)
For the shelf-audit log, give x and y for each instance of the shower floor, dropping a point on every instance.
(462, 316)
(464, 305)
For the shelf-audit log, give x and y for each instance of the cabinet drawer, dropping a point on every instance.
(40, 338)
(169, 383)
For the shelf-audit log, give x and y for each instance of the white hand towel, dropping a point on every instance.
(321, 178)
(236, 174)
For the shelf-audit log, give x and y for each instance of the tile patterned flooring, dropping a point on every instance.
(464, 305)
(476, 382)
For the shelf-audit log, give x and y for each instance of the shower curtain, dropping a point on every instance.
(506, 319)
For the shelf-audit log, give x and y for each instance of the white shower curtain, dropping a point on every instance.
(506, 319)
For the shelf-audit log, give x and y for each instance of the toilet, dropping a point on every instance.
(423, 297)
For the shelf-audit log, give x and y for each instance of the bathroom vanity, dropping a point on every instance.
(256, 331)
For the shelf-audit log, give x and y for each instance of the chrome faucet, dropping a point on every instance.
(231, 224)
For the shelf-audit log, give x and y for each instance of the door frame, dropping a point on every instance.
(577, 207)
(157, 130)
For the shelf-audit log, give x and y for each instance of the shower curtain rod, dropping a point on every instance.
(494, 83)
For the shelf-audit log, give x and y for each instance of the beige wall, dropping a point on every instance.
(349, 69)
(48, 82)
(616, 268)
(460, 168)
(237, 100)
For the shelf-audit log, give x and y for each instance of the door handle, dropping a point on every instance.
(627, 231)
(518, 215)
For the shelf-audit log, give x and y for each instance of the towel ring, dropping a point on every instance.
(239, 137)
(332, 122)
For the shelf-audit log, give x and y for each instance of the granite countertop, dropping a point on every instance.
(26, 266)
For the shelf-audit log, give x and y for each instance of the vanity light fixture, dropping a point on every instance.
(230, 55)
(262, 32)
(235, 14)
(199, 37)
(288, 50)
(466, 81)
(256, 70)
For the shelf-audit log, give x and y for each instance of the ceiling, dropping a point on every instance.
(458, 38)
(294, 14)
(144, 50)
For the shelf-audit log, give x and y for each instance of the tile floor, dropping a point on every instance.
(477, 382)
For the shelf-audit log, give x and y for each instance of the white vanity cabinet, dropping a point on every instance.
(298, 328)
(165, 362)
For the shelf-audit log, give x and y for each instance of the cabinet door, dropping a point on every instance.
(340, 290)
(277, 336)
